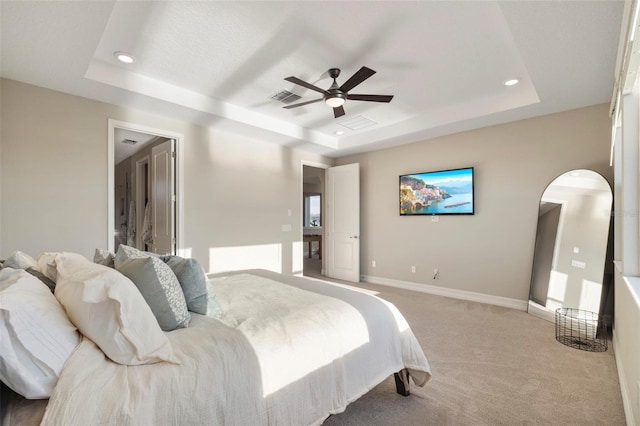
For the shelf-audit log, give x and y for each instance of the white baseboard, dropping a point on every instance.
(541, 312)
(506, 302)
(624, 388)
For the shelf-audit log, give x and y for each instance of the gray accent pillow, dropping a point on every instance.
(104, 257)
(157, 283)
(192, 280)
(20, 260)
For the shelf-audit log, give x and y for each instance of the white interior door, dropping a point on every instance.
(163, 198)
(343, 222)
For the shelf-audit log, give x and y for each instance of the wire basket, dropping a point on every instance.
(584, 330)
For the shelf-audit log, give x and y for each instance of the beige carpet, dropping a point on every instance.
(491, 366)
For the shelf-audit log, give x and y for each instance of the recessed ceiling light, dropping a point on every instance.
(339, 132)
(124, 57)
(511, 82)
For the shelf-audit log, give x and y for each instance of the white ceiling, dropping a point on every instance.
(123, 146)
(218, 63)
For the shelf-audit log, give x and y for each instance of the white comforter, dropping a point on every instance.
(287, 354)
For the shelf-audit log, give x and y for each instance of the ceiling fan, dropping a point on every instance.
(335, 96)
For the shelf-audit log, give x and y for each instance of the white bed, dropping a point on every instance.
(287, 350)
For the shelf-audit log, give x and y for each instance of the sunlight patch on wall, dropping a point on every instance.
(296, 257)
(184, 252)
(590, 296)
(262, 256)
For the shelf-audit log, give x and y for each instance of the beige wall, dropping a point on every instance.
(492, 251)
(237, 190)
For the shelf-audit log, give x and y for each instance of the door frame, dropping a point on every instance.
(301, 218)
(179, 138)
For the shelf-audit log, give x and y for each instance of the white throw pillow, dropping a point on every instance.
(46, 265)
(108, 308)
(36, 337)
(20, 260)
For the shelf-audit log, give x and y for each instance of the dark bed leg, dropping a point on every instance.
(402, 382)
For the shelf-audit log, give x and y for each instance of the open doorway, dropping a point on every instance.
(145, 188)
(312, 219)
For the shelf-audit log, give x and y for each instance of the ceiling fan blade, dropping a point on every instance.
(296, 80)
(361, 75)
(303, 103)
(338, 112)
(370, 98)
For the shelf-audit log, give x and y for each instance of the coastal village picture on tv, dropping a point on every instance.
(444, 192)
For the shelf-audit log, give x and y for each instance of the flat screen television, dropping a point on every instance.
(444, 192)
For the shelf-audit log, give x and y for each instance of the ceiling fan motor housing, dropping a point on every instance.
(335, 93)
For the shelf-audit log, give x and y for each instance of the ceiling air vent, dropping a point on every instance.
(129, 141)
(358, 122)
(285, 96)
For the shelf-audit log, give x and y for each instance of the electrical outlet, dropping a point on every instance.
(413, 269)
(373, 263)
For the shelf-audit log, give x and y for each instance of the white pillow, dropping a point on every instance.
(46, 265)
(108, 308)
(20, 260)
(36, 337)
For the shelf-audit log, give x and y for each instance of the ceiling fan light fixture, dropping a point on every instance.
(334, 101)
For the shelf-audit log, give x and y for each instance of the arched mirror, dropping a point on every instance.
(571, 244)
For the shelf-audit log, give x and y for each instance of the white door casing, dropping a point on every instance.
(163, 197)
(343, 222)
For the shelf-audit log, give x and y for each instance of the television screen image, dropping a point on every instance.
(441, 192)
